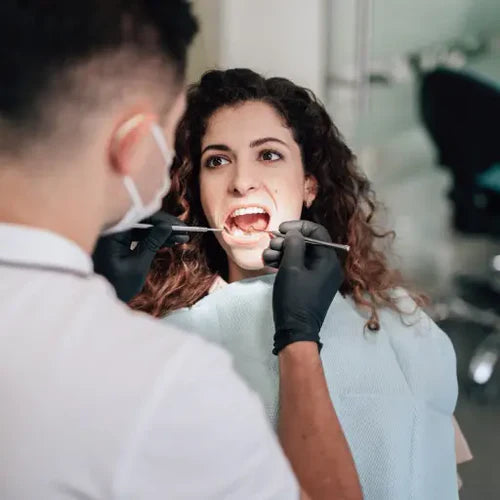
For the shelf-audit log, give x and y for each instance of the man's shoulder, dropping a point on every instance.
(140, 332)
(148, 356)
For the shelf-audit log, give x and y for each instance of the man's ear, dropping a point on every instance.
(128, 134)
(310, 190)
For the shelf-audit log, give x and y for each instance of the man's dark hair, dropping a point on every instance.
(41, 39)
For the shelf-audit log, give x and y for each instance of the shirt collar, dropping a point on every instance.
(32, 247)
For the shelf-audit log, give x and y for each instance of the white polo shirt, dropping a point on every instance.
(99, 402)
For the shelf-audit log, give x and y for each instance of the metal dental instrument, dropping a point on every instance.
(198, 229)
(312, 241)
(183, 229)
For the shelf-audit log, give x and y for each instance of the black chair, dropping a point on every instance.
(461, 113)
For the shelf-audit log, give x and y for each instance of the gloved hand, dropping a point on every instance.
(127, 269)
(306, 283)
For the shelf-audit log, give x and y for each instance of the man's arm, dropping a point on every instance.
(309, 429)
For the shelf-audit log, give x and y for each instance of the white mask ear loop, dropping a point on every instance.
(133, 192)
(168, 155)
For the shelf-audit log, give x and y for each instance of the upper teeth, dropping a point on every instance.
(247, 211)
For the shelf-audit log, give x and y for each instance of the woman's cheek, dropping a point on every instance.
(209, 197)
(290, 203)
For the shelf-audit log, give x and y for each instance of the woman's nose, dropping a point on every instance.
(244, 180)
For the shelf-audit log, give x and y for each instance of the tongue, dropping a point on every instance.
(256, 221)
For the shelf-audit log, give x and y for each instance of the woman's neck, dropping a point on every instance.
(236, 273)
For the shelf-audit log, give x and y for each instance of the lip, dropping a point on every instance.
(245, 241)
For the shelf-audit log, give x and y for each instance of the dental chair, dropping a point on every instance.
(461, 112)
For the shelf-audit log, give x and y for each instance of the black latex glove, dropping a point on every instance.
(309, 276)
(127, 269)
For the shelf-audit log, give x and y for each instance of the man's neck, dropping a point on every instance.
(35, 203)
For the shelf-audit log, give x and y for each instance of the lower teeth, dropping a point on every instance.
(239, 232)
(236, 231)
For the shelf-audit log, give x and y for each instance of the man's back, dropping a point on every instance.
(100, 402)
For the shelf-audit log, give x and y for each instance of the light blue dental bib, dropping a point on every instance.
(394, 391)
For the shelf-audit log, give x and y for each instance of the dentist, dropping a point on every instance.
(97, 401)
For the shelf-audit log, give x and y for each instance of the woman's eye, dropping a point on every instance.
(271, 156)
(216, 161)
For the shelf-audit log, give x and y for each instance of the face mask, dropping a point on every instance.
(139, 210)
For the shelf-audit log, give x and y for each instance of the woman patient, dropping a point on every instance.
(253, 153)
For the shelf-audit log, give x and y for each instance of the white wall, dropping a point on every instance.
(274, 37)
(205, 51)
(403, 26)
(484, 17)
(398, 27)
(342, 38)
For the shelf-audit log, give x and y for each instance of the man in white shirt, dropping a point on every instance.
(98, 401)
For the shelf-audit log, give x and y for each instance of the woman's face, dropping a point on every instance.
(251, 179)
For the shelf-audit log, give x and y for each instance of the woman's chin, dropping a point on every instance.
(246, 255)
(248, 259)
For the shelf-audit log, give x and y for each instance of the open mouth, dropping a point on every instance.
(247, 221)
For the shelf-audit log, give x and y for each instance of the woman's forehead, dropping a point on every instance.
(242, 123)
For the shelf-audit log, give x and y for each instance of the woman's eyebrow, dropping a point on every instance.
(259, 142)
(217, 147)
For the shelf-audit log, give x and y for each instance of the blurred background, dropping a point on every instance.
(414, 86)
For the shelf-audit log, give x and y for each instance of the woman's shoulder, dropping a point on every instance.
(405, 306)
(408, 313)
(405, 317)
(197, 321)
(198, 318)
(409, 349)
(412, 328)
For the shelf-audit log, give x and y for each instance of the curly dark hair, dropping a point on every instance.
(345, 203)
